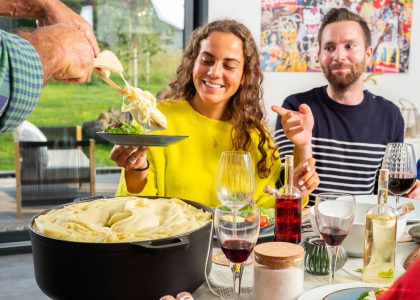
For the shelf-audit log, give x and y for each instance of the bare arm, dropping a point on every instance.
(135, 180)
(302, 153)
(22, 8)
(49, 12)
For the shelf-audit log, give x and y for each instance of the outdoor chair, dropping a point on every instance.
(56, 170)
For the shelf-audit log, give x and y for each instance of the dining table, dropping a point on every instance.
(220, 278)
(17, 279)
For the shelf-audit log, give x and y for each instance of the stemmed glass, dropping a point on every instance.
(235, 181)
(237, 238)
(400, 160)
(334, 215)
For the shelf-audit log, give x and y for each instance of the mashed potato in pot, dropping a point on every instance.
(121, 219)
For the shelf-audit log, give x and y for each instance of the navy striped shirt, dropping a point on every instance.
(348, 141)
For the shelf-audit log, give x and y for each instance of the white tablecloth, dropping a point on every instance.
(221, 276)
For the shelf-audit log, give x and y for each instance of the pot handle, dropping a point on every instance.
(163, 246)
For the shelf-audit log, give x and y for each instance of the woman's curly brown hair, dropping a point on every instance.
(245, 108)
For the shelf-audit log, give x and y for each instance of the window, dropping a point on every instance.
(146, 35)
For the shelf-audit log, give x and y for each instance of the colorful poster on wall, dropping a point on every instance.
(289, 31)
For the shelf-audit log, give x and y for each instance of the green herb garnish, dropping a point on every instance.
(359, 270)
(386, 274)
(123, 128)
(363, 295)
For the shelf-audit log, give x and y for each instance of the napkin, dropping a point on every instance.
(406, 287)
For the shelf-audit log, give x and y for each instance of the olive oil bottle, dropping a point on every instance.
(380, 237)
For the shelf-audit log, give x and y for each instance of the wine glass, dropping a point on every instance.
(334, 215)
(237, 233)
(235, 181)
(400, 160)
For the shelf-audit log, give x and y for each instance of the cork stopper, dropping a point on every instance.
(289, 160)
(405, 209)
(408, 207)
(271, 191)
(279, 255)
(383, 174)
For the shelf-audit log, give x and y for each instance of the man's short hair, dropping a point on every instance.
(343, 14)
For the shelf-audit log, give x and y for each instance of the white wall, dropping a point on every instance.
(278, 85)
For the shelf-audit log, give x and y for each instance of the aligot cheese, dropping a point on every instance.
(121, 219)
(142, 107)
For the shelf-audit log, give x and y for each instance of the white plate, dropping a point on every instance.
(141, 139)
(320, 292)
(264, 232)
(413, 216)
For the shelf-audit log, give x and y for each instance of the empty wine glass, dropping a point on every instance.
(235, 181)
(400, 160)
(334, 215)
(237, 233)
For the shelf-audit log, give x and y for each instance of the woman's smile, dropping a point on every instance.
(212, 85)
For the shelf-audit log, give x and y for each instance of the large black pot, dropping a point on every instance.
(121, 271)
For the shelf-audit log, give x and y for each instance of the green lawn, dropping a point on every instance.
(70, 105)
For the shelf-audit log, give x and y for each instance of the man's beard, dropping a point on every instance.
(340, 83)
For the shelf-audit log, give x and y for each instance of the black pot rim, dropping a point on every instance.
(191, 202)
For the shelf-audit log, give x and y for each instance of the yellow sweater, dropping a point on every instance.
(188, 169)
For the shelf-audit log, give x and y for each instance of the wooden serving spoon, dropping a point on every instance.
(115, 86)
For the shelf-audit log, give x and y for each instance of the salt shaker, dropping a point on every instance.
(278, 271)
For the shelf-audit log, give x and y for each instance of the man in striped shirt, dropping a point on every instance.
(63, 49)
(344, 127)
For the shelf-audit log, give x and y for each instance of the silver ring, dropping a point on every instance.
(187, 297)
(131, 160)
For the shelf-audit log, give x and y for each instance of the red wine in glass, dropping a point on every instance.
(237, 251)
(401, 183)
(333, 236)
(288, 221)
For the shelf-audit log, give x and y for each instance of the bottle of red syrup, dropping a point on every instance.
(288, 209)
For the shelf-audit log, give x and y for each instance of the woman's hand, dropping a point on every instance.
(180, 296)
(129, 157)
(134, 160)
(305, 177)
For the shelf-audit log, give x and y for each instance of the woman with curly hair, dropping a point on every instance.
(215, 99)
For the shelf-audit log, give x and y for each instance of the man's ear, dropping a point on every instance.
(369, 55)
(319, 53)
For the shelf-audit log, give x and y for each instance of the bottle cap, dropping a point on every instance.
(279, 255)
(289, 160)
(383, 174)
